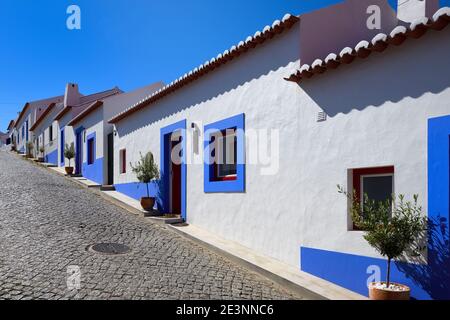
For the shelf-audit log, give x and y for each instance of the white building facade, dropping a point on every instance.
(98, 146)
(379, 123)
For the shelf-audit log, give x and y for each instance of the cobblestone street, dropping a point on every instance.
(47, 222)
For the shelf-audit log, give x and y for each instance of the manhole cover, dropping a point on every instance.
(109, 248)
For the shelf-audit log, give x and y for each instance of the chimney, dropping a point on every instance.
(72, 95)
(411, 10)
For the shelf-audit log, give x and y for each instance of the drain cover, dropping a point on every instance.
(110, 248)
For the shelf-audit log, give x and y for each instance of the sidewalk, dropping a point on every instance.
(275, 270)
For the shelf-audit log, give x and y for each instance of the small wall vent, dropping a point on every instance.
(321, 116)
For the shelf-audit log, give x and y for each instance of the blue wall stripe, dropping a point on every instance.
(52, 157)
(137, 190)
(94, 171)
(350, 271)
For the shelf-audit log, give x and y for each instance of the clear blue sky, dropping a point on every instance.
(128, 43)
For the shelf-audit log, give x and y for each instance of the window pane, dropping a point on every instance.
(378, 188)
(90, 151)
(228, 155)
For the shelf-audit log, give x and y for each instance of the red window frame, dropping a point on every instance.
(357, 173)
(123, 159)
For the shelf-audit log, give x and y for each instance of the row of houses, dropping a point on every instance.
(308, 103)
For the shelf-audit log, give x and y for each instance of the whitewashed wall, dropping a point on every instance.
(43, 132)
(69, 136)
(378, 110)
(93, 123)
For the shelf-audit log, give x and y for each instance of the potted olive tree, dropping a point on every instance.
(69, 154)
(42, 156)
(30, 148)
(146, 171)
(393, 228)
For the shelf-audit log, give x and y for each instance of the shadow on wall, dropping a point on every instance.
(254, 64)
(411, 70)
(434, 276)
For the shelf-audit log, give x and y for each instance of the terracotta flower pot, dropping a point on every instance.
(147, 203)
(69, 170)
(384, 294)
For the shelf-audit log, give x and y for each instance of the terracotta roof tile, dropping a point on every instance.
(378, 43)
(235, 51)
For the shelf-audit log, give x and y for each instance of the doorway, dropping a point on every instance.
(79, 151)
(172, 190)
(110, 179)
(175, 174)
(62, 146)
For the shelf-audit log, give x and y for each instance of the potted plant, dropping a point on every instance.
(146, 171)
(392, 228)
(69, 154)
(41, 150)
(30, 147)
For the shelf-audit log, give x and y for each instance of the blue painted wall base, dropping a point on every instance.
(137, 190)
(94, 171)
(52, 157)
(351, 272)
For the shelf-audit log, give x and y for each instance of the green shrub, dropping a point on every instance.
(146, 170)
(392, 227)
(69, 152)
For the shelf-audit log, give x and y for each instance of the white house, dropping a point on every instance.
(74, 104)
(300, 107)
(27, 118)
(98, 148)
(45, 133)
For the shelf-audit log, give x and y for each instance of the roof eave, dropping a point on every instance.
(86, 112)
(379, 43)
(43, 116)
(277, 27)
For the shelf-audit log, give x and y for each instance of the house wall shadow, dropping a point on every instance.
(433, 276)
(409, 70)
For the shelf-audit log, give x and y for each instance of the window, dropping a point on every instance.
(50, 133)
(90, 150)
(225, 150)
(377, 183)
(123, 161)
(224, 168)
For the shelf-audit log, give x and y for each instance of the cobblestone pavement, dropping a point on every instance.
(47, 222)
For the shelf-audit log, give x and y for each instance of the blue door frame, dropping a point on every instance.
(62, 143)
(164, 188)
(79, 150)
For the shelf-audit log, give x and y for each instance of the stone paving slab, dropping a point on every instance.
(47, 223)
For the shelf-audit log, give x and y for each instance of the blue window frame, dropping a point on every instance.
(225, 140)
(90, 145)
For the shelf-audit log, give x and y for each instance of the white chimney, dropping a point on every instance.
(411, 10)
(72, 95)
